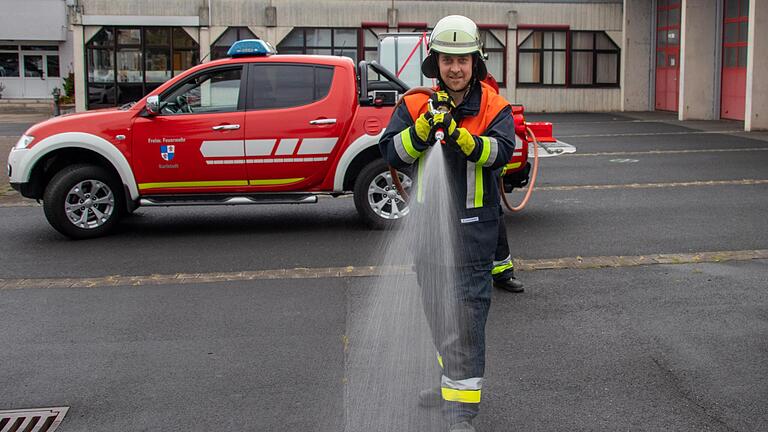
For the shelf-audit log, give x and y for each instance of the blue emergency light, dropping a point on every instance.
(251, 47)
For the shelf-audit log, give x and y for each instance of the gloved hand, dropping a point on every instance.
(441, 101)
(443, 121)
(464, 140)
(423, 127)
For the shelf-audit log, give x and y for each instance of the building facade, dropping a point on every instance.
(35, 48)
(699, 58)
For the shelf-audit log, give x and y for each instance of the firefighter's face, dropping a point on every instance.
(455, 70)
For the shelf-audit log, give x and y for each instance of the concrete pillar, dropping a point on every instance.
(78, 63)
(698, 55)
(636, 55)
(205, 44)
(756, 109)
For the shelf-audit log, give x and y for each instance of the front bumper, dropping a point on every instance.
(16, 167)
(17, 172)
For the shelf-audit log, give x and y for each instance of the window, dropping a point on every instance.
(594, 60)
(33, 66)
(53, 65)
(541, 59)
(326, 41)
(9, 64)
(124, 64)
(209, 92)
(275, 86)
(233, 34)
(735, 33)
(371, 42)
(496, 50)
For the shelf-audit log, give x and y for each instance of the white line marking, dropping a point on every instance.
(632, 153)
(652, 134)
(286, 146)
(317, 145)
(259, 147)
(222, 148)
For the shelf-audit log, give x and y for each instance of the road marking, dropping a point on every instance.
(745, 182)
(651, 152)
(624, 160)
(693, 132)
(577, 262)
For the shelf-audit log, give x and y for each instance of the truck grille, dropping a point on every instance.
(32, 420)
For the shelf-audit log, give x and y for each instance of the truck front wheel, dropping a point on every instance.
(83, 201)
(376, 197)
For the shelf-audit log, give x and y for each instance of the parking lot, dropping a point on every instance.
(646, 306)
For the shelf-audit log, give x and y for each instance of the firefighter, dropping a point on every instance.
(479, 141)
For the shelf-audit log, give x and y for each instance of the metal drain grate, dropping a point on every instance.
(32, 420)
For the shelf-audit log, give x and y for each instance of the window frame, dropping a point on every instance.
(739, 46)
(488, 29)
(359, 48)
(540, 51)
(569, 50)
(3, 50)
(595, 52)
(114, 46)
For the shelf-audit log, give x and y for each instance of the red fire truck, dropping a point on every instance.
(255, 128)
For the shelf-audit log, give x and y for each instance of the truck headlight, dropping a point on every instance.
(24, 142)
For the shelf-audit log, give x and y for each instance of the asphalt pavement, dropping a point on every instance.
(648, 348)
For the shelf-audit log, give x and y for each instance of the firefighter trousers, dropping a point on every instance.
(456, 300)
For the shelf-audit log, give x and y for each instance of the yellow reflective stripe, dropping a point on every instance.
(408, 144)
(440, 361)
(463, 396)
(486, 151)
(478, 185)
(219, 183)
(419, 175)
(143, 186)
(501, 268)
(266, 182)
(510, 166)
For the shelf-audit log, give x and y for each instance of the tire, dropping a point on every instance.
(376, 197)
(70, 207)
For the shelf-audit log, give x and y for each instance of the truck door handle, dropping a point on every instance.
(226, 127)
(322, 121)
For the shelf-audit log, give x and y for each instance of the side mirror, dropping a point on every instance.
(153, 105)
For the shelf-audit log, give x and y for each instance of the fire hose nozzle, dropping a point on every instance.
(440, 136)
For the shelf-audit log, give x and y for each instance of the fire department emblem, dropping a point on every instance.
(167, 152)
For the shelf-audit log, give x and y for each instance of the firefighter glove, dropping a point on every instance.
(464, 140)
(423, 126)
(445, 122)
(441, 101)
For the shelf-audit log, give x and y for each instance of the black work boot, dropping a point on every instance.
(430, 398)
(511, 285)
(464, 426)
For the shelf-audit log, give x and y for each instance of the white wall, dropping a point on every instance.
(698, 53)
(33, 20)
(756, 112)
